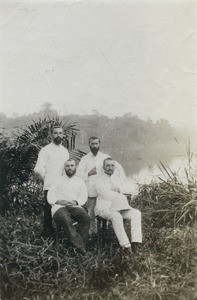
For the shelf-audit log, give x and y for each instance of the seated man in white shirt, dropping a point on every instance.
(90, 167)
(66, 196)
(112, 205)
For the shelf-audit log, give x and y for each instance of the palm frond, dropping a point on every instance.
(76, 155)
(19, 160)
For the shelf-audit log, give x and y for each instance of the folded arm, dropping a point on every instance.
(104, 192)
(66, 202)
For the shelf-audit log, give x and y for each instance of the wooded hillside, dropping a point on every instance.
(131, 141)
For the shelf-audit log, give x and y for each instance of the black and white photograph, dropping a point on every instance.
(98, 149)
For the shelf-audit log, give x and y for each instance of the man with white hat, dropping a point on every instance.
(112, 205)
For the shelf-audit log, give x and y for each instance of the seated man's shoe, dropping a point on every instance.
(126, 255)
(127, 251)
(81, 251)
(78, 243)
(46, 233)
(135, 247)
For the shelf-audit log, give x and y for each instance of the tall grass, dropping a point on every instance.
(172, 201)
(165, 268)
(36, 268)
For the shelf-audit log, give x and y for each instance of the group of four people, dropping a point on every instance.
(96, 186)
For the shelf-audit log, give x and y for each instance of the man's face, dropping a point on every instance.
(57, 136)
(109, 167)
(70, 168)
(94, 146)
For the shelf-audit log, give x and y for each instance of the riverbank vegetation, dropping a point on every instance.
(37, 268)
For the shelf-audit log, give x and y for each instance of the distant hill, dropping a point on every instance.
(131, 141)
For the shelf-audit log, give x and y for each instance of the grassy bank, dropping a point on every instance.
(35, 268)
(165, 269)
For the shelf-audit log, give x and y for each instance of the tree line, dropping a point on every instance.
(130, 140)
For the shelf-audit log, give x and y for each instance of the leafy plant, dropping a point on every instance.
(18, 159)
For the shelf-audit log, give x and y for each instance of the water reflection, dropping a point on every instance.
(179, 166)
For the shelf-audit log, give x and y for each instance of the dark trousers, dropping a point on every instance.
(78, 236)
(47, 226)
(89, 206)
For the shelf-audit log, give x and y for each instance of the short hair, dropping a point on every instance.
(108, 158)
(70, 159)
(56, 127)
(94, 138)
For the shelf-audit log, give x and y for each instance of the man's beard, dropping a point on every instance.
(70, 173)
(110, 172)
(94, 150)
(57, 140)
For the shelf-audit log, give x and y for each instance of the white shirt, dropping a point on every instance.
(50, 163)
(90, 161)
(106, 196)
(67, 188)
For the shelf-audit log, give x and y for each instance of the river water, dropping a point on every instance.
(180, 166)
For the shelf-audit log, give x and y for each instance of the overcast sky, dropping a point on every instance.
(115, 57)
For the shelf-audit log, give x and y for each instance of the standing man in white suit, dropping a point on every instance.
(50, 164)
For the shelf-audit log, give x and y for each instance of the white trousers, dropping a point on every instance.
(134, 215)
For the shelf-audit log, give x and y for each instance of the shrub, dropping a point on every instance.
(17, 160)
